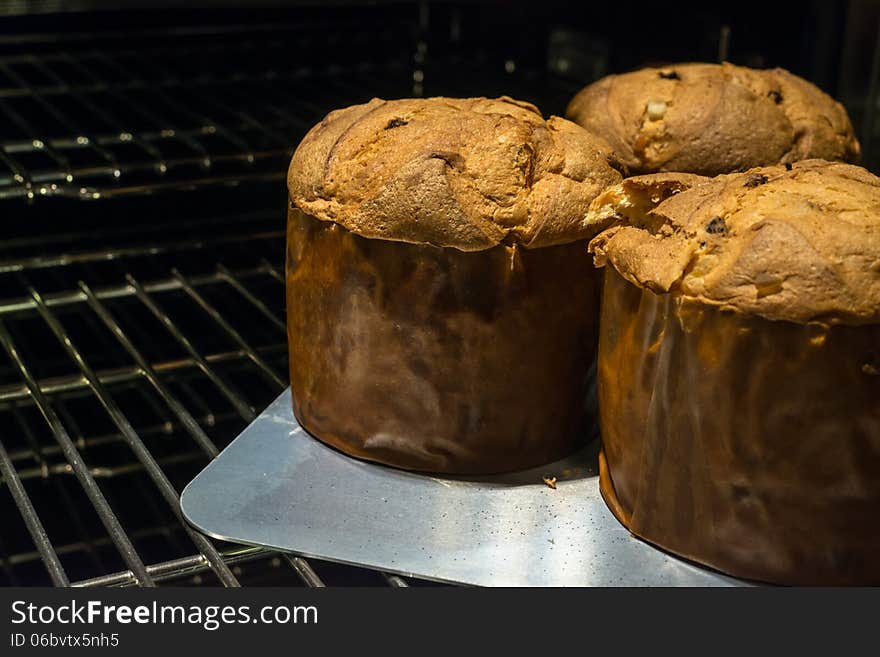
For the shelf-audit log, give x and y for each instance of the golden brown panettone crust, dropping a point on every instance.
(797, 242)
(464, 173)
(713, 118)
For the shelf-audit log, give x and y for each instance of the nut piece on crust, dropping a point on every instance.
(713, 118)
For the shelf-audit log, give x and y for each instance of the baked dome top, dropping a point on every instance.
(466, 173)
(797, 242)
(713, 118)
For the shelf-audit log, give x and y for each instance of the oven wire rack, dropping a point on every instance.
(91, 123)
(186, 418)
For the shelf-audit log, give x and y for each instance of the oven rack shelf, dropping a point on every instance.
(90, 117)
(188, 404)
(94, 122)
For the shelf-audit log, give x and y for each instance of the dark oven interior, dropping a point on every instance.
(142, 164)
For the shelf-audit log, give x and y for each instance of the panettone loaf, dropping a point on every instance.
(739, 368)
(713, 118)
(435, 250)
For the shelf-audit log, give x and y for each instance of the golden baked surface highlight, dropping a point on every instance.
(464, 173)
(713, 118)
(798, 242)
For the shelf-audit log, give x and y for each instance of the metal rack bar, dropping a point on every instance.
(67, 297)
(165, 487)
(96, 497)
(164, 124)
(272, 271)
(207, 124)
(5, 564)
(230, 278)
(110, 472)
(275, 135)
(19, 175)
(161, 226)
(97, 542)
(179, 185)
(166, 424)
(227, 328)
(176, 568)
(148, 499)
(32, 521)
(148, 52)
(299, 28)
(37, 452)
(96, 110)
(395, 581)
(300, 566)
(188, 421)
(73, 383)
(103, 255)
(44, 472)
(305, 571)
(61, 88)
(38, 142)
(209, 417)
(245, 410)
(80, 135)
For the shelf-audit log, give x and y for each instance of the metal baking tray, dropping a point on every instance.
(276, 486)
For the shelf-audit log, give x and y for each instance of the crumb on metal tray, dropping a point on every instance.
(550, 481)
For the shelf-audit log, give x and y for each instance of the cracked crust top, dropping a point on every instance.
(465, 173)
(713, 118)
(798, 243)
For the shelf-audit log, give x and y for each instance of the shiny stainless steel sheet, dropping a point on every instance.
(278, 487)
